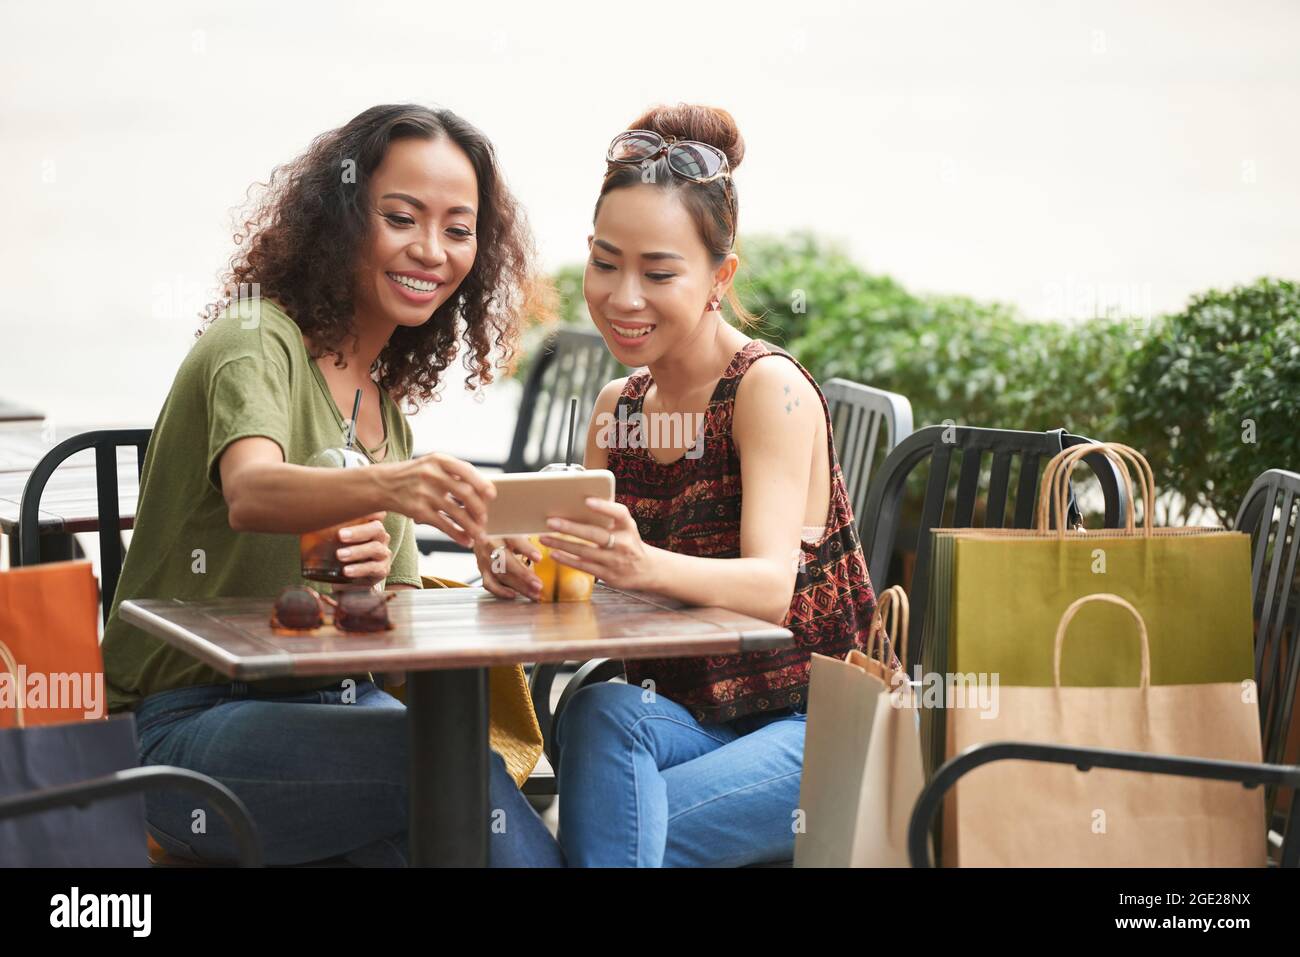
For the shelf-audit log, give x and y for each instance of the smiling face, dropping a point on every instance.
(424, 199)
(649, 277)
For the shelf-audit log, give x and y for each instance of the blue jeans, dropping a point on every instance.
(644, 784)
(323, 777)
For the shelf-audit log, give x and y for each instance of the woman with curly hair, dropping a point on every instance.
(371, 261)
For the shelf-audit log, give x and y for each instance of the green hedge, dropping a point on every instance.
(1213, 393)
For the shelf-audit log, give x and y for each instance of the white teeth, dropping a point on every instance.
(410, 282)
(635, 332)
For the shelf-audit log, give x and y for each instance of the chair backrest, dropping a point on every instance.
(935, 444)
(868, 423)
(572, 362)
(1270, 513)
(105, 442)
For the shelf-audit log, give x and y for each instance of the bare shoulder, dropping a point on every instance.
(598, 435)
(773, 394)
(608, 397)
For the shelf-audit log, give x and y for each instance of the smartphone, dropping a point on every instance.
(525, 500)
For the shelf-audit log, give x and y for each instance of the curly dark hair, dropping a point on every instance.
(305, 232)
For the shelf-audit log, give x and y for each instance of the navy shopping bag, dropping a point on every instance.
(106, 833)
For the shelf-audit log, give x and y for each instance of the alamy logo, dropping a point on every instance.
(36, 690)
(102, 910)
(974, 691)
(653, 430)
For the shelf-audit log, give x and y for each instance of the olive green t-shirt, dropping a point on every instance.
(249, 374)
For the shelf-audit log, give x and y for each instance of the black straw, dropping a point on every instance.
(573, 427)
(352, 426)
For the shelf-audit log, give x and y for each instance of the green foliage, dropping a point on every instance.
(1210, 379)
(573, 308)
(795, 284)
(954, 358)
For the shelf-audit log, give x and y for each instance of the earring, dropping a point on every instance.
(714, 304)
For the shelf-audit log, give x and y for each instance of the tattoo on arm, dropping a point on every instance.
(790, 406)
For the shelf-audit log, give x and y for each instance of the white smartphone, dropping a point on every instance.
(525, 500)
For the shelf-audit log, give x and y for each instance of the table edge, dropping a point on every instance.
(280, 664)
(274, 664)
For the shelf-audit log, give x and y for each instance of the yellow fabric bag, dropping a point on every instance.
(514, 732)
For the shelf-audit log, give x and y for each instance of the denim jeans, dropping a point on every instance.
(323, 777)
(642, 783)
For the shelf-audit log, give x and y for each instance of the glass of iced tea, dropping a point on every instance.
(319, 549)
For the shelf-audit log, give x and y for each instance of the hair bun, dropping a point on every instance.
(690, 121)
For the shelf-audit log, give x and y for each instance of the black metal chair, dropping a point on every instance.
(1270, 512)
(105, 442)
(868, 423)
(1251, 775)
(571, 363)
(880, 525)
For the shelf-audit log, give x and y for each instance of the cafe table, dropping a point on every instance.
(446, 640)
(13, 412)
(70, 503)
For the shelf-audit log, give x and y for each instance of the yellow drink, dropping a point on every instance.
(560, 582)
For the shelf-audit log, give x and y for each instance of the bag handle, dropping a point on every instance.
(1145, 681)
(1054, 487)
(1145, 477)
(11, 664)
(892, 602)
(1054, 475)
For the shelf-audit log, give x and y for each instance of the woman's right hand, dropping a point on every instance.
(445, 492)
(504, 573)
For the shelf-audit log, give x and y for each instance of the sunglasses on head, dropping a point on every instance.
(689, 159)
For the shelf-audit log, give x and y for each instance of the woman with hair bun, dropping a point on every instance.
(697, 761)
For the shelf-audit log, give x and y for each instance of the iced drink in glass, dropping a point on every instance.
(319, 549)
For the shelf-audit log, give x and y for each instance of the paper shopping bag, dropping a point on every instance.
(105, 833)
(48, 616)
(862, 754)
(1033, 814)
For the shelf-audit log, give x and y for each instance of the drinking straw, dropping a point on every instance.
(352, 426)
(573, 427)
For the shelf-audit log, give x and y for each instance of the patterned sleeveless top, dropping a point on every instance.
(692, 506)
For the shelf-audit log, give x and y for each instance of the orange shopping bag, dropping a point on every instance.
(50, 663)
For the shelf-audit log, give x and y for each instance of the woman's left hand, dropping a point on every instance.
(612, 551)
(364, 552)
